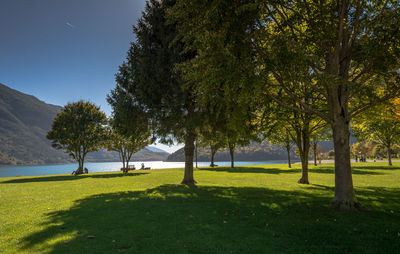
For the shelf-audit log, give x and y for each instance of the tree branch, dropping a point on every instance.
(368, 105)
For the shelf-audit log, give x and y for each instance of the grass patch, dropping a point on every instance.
(253, 209)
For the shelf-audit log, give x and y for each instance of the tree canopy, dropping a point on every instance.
(345, 53)
(130, 128)
(380, 125)
(79, 128)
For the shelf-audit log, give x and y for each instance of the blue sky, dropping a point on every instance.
(66, 50)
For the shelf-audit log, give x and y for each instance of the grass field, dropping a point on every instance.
(258, 209)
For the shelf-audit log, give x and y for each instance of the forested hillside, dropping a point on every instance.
(254, 152)
(24, 122)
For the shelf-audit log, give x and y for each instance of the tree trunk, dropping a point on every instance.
(83, 161)
(196, 155)
(389, 155)
(232, 152)
(213, 151)
(304, 153)
(315, 153)
(344, 198)
(304, 163)
(124, 166)
(189, 150)
(128, 159)
(80, 167)
(288, 156)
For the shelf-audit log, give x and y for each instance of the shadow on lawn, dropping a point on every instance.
(69, 177)
(241, 169)
(330, 170)
(382, 167)
(181, 219)
(318, 169)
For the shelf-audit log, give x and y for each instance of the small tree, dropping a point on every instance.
(380, 125)
(282, 138)
(130, 127)
(78, 129)
(364, 148)
(126, 146)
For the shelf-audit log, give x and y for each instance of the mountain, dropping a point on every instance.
(264, 151)
(24, 122)
(254, 152)
(143, 155)
(155, 149)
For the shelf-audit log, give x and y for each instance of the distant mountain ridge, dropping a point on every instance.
(24, 122)
(263, 151)
(254, 152)
(155, 149)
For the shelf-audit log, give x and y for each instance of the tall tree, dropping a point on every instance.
(79, 128)
(350, 49)
(150, 78)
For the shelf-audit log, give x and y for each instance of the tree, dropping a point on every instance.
(78, 129)
(211, 136)
(380, 125)
(321, 134)
(299, 126)
(364, 148)
(130, 128)
(350, 49)
(316, 150)
(238, 127)
(149, 76)
(281, 136)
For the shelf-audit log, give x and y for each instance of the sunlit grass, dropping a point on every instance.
(254, 209)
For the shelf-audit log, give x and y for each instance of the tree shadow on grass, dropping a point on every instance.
(252, 170)
(382, 167)
(318, 169)
(70, 177)
(204, 219)
(331, 170)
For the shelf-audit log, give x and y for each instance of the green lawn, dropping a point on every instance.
(258, 209)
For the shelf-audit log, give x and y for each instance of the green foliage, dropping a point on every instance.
(343, 56)
(130, 128)
(380, 125)
(363, 148)
(79, 128)
(150, 78)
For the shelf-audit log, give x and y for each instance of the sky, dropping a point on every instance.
(62, 51)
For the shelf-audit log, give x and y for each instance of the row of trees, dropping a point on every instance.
(381, 127)
(241, 69)
(374, 151)
(80, 128)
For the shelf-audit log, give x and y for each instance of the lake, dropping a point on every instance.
(109, 166)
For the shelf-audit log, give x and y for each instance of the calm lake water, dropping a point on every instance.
(109, 166)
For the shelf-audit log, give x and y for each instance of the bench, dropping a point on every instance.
(126, 170)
